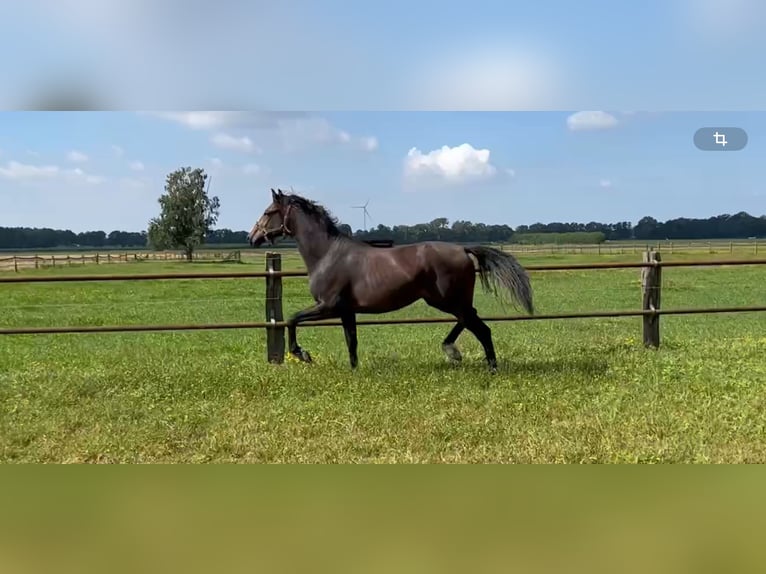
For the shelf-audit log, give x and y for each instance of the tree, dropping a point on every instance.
(187, 214)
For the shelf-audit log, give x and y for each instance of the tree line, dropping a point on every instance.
(188, 214)
(737, 226)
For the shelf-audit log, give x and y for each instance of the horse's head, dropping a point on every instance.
(273, 223)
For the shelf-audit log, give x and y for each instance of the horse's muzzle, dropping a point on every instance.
(257, 238)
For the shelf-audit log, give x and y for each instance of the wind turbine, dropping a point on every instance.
(366, 213)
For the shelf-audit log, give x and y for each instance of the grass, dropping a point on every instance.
(567, 391)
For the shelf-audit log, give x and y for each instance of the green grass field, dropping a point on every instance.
(567, 391)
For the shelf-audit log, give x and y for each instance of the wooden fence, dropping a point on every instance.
(20, 262)
(619, 248)
(275, 324)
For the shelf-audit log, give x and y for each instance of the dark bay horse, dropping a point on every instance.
(347, 276)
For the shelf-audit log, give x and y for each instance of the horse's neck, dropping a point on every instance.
(313, 244)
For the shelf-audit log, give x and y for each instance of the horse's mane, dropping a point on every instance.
(317, 212)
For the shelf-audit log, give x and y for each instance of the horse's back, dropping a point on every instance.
(443, 253)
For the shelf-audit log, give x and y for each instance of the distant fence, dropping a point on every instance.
(37, 261)
(21, 262)
(650, 312)
(619, 248)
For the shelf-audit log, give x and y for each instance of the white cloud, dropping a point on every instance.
(298, 133)
(590, 121)
(136, 166)
(233, 143)
(118, 151)
(87, 177)
(21, 172)
(216, 162)
(294, 130)
(77, 156)
(457, 164)
(605, 183)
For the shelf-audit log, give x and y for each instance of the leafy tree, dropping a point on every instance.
(187, 215)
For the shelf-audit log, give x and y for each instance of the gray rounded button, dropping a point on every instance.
(720, 139)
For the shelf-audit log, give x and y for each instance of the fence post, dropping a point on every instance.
(15, 264)
(651, 287)
(275, 336)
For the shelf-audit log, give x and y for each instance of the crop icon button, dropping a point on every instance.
(720, 139)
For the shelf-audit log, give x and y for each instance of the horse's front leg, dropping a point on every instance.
(318, 312)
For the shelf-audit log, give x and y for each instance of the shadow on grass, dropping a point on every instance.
(583, 366)
(471, 366)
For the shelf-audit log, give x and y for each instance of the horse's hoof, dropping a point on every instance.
(452, 352)
(493, 368)
(302, 356)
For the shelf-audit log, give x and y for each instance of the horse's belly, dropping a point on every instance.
(385, 296)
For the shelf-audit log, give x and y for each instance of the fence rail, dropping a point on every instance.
(651, 287)
(722, 246)
(21, 262)
(369, 322)
(304, 273)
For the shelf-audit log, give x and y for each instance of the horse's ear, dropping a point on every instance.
(275, 197)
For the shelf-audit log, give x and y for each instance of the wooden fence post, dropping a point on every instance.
(651, 287)
(15, 264)
(275, 336)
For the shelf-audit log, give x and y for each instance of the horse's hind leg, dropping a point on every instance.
(448, 345)
(349, 330)
(483, 333)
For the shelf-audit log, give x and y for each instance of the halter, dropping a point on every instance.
(283, 226)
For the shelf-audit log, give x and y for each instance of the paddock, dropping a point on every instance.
(578, 382)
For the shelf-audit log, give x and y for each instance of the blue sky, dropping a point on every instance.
(392, 54)
(105, 170)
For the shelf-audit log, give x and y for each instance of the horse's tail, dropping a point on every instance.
(500, 268)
